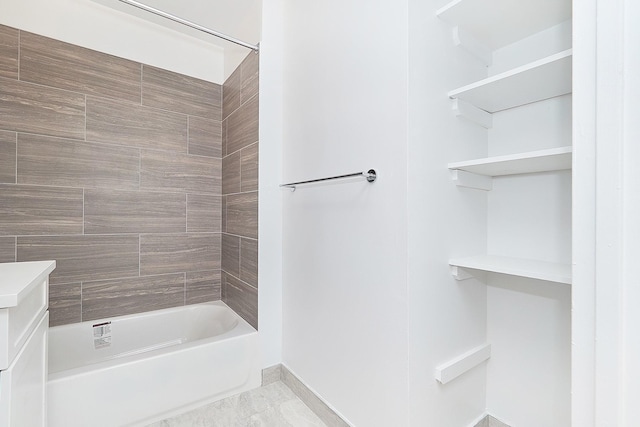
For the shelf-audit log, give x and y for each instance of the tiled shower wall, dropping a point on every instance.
(114, 169)
(240, 190)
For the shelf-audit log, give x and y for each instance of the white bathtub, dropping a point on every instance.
(148, 366)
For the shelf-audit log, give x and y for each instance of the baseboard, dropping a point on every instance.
(271, 374)
(304, 393)
(489, 421)
(324, 412)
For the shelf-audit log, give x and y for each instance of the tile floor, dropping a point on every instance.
(272, 405)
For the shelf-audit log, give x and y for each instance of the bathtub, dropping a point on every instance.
(134, 370)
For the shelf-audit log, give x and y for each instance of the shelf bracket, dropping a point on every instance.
(465, 41)
(463, 363)
(464, 110)
(459, 273)
(471, 180)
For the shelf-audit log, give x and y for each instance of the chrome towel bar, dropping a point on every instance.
(370, 175)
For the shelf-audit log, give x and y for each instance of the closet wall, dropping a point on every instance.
(529, 217)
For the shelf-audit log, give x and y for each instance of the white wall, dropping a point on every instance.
(529, 216)
(631, 212)
(89, 24)
(270, 201)
(345, 244)
(446, 317)
(583, 357)
(606, 318)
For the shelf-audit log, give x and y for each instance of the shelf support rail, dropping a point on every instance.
(370, 176)
(190, 24)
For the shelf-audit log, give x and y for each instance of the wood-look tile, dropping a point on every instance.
(242, 126)
(204, 213)
(205, 137)
(224, 137)
(9, 52)
(35, 210)
(231, 254)
(224, 214)
(203, 286)
(7, 249)
(53, 161)
(249, 69)
(123, 123)
(7, 157)
(26, 107)
(161, 170)
(242, 298)
(58, 64)
(80, 258)
(109, 298)
(249, 168)
(64, 304)
(248, 261)
(242, 214)
(172, 253)
(177, 92)
(231, 173)
(116, 211)
(231, 93)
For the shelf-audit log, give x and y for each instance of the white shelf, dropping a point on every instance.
(497, 23)
(553, 159)
(541, 270)
(543, 79)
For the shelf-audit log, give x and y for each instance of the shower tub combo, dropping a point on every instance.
(137, 369)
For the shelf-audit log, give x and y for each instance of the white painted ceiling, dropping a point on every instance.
(237, 18)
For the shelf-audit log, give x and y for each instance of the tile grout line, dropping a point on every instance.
(242, 104)
(148, 276)
(241, 193)
(241, 148)
(240, 236)
(240, 280)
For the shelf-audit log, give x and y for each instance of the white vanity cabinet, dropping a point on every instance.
(24, 322)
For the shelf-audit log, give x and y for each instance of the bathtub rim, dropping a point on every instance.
(241, 329)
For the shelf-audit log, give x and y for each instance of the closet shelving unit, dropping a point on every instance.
(484, 20)
(480, 27)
